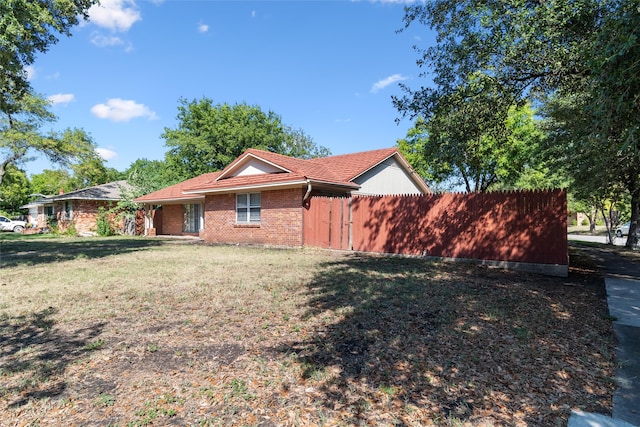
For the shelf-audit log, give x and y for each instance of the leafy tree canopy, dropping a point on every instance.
(21, 138)
(148, 176)
(540, 50)
(209, 137)
(452, 150)
(29, 27)
(50, 182)
(300, 145)
(90, 170)
(14, 192)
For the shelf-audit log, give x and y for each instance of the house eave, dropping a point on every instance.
(271, 186)
(249, 187)
(171, 200)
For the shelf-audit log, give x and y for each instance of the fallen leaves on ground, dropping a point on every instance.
(357, 340)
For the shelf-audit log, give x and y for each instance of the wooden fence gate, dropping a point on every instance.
(327, 223)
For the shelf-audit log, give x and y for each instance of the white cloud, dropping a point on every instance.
(106, 154)
(379, 85)
(122, 110)
(116, 15)
(31, 72)
(61, 98)
(203, 28)
(103, 41)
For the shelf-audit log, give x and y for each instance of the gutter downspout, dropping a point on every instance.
(306, 203)
(305, 199)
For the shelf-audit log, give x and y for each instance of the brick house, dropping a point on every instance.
(259, 198)
(78, 208)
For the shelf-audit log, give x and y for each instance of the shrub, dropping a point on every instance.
(103, 225)
(71, 230)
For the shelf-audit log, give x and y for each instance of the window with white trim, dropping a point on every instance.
(248, 208)
(191, 220)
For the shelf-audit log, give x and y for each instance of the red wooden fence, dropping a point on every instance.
(517, 227)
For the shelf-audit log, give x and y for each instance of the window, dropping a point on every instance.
(191, 222)
(49, 212)
(248, 208)
(67, 211)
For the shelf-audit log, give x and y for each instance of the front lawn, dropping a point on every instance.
(132, 332)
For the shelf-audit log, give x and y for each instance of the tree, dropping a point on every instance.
(602, 174)
(300, 145)
(148, 176)
(209, 137)
(20, 136)
(50, 182)
(90, 170)
(14, 192)
(540, 49)
(453, 148)
(27, 28)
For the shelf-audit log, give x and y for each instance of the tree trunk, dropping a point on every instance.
(632, 239)
(593, 217)
(608, 223)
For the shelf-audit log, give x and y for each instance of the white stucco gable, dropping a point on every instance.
(249, 165)
(387, 178)
(255, 167)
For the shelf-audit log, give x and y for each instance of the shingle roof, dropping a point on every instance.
(347, 167)
(338, 171)
(111, 191)
(175, 192)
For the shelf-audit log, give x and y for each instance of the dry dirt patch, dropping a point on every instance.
(185, 334)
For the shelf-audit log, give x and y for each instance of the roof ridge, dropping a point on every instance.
(118, 182)
(359, 153)
(290, 163)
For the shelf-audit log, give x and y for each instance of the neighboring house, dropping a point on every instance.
(260, 197)
(78, 208)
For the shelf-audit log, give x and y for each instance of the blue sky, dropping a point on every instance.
(326, 67)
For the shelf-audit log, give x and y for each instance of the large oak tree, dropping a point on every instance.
(529, 49)
(27, 28)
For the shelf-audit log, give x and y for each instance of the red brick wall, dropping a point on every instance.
(280, 219)
(172, 218)
(85, 213)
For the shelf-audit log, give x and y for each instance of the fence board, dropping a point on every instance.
(523, 227)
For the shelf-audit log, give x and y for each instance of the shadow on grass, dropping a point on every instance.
(33, 251)
(420, 341)
(34, 355)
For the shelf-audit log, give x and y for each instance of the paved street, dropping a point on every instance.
(618, 241)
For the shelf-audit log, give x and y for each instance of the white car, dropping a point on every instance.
(7, 224)
(623, 230)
